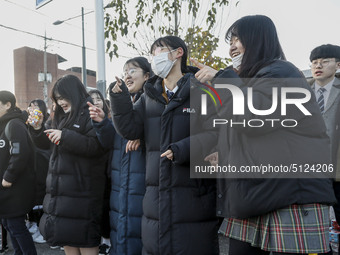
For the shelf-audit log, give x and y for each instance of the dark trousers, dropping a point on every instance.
(22, 241)
(242, 248)
(4, 243)
(35, 215)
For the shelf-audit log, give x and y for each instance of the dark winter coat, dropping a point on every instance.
(127, 171)
(179, 215)
(16, 166)
(75, 185)
(307, 143)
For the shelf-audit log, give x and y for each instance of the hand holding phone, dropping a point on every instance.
(35, 118)
(54, 135)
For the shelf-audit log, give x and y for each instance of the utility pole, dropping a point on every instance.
(45, 76)
(83, 49)
(99, 14)
(45, 89)
(84, 72)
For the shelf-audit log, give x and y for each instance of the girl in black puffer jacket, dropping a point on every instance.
(76, 176)
(178, 211)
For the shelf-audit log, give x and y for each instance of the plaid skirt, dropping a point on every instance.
(294, 229)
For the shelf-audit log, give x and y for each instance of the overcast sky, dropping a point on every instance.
(301, 24)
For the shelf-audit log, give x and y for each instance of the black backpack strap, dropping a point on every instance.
(7, 129)
(24, 126)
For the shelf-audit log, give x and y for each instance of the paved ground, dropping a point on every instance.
(44, 249)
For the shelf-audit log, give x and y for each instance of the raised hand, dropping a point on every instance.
(35, 118)
(206, 73)
(116, 88)
(96, 113)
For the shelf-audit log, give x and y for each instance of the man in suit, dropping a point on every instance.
(325, 61)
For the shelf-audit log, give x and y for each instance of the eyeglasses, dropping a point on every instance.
(322, 62)
(131, 72)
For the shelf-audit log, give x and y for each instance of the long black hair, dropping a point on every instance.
(258, 36)
(173, 42)
(72, 89)
(42, 107)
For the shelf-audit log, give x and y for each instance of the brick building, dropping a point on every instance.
(28, 63)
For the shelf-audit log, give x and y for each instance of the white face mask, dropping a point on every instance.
(237, 61)
(161, 64)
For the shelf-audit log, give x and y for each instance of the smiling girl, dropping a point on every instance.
(127, 169)
(76, 176)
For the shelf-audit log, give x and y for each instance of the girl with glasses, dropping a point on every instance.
(127, 168)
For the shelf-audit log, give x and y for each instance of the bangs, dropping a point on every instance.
(325, 51)
(232, 31)
(61, 91)
(158, 43)
(131, 62)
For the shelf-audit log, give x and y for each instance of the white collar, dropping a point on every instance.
(174, 90)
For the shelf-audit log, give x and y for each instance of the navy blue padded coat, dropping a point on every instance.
(127, 171)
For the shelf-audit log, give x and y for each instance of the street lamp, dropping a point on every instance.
(83, 71)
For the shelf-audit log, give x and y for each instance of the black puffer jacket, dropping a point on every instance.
(75, 187)
(16, 166)
(304, 145)
(178, 211)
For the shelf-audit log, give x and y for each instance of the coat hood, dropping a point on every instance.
(16, 113)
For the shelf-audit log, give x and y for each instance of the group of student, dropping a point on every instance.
(142, 143)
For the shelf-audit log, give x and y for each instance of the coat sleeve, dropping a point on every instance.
(197, 146)
(203, 135)
(128, 119)
(39, 138)
(105, 132)
(20, 149)
(84, 144)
